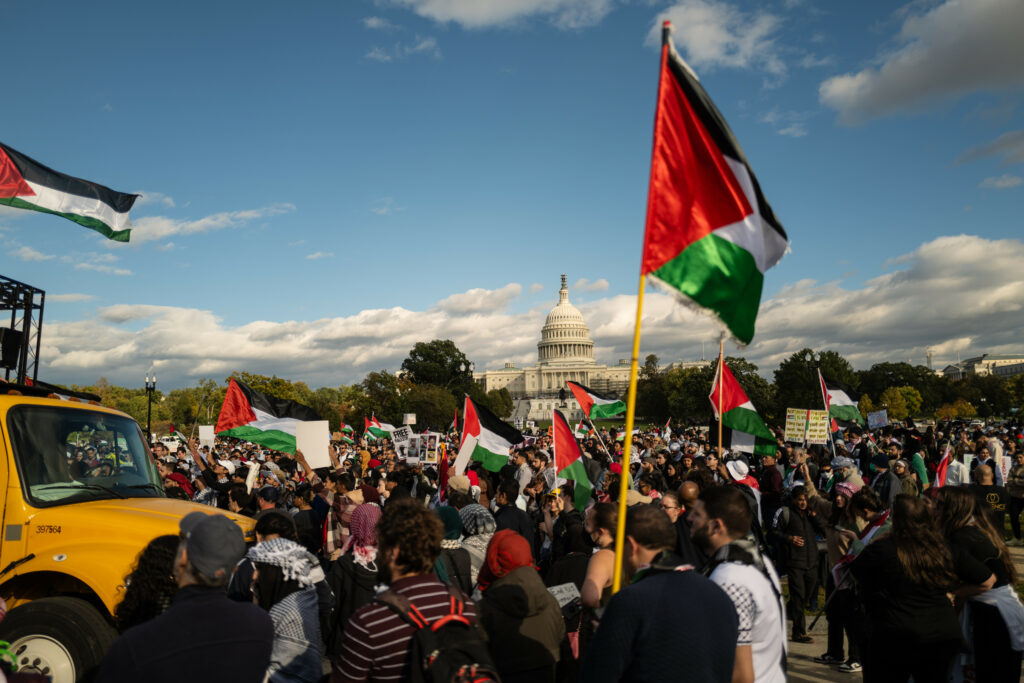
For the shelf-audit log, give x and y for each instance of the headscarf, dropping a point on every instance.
(507, 552)
(452, 526)
(370, 494)
(477, 520)
(362, 540)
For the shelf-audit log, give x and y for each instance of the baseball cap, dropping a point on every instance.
(214, 543)
(459, 482)
(228, 465)
(841, 461)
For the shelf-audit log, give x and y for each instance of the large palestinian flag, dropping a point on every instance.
(377, 429)
(710, 234)
(569, 460)
(739, 415)
(494, 437)
(593, 404)
(840, 401)
(260, 418)
(27, 184)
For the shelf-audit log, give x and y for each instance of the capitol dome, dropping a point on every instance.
(565, 337)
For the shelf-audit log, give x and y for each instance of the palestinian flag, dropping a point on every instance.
(260, 418)
(840, 401)
(943, 468)
(176, 433)
(569, 460)
(346, 429)
(594, 405)
(581, 430)
(27, 184)
(378, 429)
(739, 414)
(454, 428)
(494, 437)
(347, 440)
(710, 235)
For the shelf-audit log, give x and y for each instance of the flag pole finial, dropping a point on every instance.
(666, 31)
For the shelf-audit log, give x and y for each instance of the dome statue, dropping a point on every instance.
(565, 337)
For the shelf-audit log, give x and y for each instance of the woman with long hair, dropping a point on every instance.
(906, 579)
(600, 525)
(149, 587)
(992, 614)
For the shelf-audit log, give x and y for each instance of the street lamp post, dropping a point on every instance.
(150, 388)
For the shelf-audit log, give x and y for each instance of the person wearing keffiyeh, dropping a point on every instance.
(284, 586)
(354, 576)
(478, 526)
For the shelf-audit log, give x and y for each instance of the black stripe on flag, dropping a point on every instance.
(496, 425)
(590, 391)
(278, 407)
(35, 172)
(719, 130)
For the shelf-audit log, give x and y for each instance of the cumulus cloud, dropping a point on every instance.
(1008, 146)
(378, 24)
(585, 285)
(69, 298)
(1003, 182)
(317, 255)
(787, 122)
(420, 45)
(948, 51)
(150, 198)
(150, 228)
(476, 14)
(26, 253)
(954, 294)
(536, 287)
(481, 300)
(717, 34)
(100, 262)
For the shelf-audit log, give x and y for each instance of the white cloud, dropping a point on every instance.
(317, 255)
(717, 34)
(585, 285)
(29, 254)
(794, 130)
(100, 262)
(958, 293)
(167, 246)
(150, 198)
(476, 14)
(536, 287)
(958, 47)
(790, 123)
(481, 300)
(420, 45)
(1003, 182)
(109, 270)
(384, 206)
(69, 298)
(1009, 146)
(150, 228)
(378, 24)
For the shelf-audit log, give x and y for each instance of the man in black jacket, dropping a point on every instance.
(886, 484)
(204, 633)
(794, 530)
(508, 515)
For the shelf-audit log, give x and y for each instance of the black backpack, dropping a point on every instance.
(449, 650)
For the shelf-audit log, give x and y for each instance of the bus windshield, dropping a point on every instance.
(65, 455)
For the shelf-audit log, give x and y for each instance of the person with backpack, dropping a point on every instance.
(795, 529)
(387, 639)
(523, 621)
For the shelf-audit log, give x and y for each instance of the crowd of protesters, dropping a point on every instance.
(725, 556)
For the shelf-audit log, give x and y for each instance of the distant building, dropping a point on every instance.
(565, 352)
(985, 364)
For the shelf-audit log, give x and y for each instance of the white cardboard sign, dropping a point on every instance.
(313, 438)
(206, 435)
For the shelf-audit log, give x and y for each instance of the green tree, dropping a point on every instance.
(796, 378)
(894, 403)
(959, 408)
(441, 363)
(651, 399)
(433, 405)
(500, 402)
(1015, 389)
(912, 398)
(275, 386)
(865, 406)
(688, 389)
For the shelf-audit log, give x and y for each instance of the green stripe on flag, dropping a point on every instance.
(599, 411)
(273, 439)
(492, 462)
(86, 221)
(581, 482)
(720, 277)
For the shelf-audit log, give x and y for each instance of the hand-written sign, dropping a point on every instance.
(809, 426)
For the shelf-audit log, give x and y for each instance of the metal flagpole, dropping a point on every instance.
(721, 389)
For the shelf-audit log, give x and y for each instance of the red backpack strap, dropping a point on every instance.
(401, 606)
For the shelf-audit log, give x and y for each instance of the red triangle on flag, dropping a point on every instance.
(12, 184)
(567, 451)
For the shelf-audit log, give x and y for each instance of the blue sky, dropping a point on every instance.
(325, 183)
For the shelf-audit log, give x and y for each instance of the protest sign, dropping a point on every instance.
(313, 438)
(401, 437)
(425, 447)
(564, 593)
(206, 436)
(809, 426)
(878, 419)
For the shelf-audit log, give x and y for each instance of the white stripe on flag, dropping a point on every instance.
(55, 200)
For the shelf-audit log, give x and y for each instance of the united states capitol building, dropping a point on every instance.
(565, 352)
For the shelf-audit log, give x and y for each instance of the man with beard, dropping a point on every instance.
(644, 624)
(720, 523)
(375, 644)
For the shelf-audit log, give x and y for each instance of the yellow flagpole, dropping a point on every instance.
(721, 358)
(627, 444)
